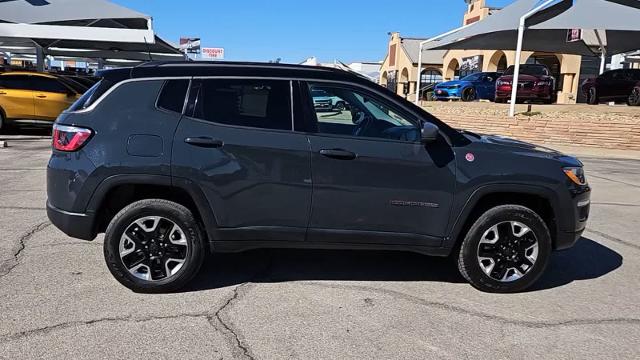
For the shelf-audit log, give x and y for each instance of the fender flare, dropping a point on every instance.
(196, 194)
(480, 192)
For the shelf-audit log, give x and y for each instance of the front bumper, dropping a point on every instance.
(80, 226)
(450, 94)
(575, 215)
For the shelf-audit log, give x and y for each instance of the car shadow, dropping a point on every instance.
(26, 131)
(587, 260)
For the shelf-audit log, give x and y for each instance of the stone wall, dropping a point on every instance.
(586, 126)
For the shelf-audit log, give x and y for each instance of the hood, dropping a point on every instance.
(524, 77)
(453, 83)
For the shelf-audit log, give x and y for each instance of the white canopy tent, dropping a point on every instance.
(80, 28)
(537, 25)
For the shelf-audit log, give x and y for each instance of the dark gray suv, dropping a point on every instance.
(172, 160)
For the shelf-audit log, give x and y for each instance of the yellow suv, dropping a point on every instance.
(35, 98)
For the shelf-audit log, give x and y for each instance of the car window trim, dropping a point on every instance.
(291, 107)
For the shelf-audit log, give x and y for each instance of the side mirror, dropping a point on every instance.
(430, 133)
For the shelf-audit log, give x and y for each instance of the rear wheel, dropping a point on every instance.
(154, 246)
(592, 96)
(469, 94)
(2, 122)
(506, 250)
(341, 106)
(634, 98)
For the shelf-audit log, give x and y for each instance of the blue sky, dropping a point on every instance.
(293, 30)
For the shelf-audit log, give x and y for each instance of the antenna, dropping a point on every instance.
(148, 48)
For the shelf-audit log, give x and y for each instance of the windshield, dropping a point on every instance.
(536, 70)
(472, 77)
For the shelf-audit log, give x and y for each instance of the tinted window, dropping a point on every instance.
(354, 113)
(48, 85)
(16, 82)
(253, 103)
(92, 95)
(472, 77)
(173, 95)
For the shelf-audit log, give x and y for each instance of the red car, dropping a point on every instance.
(534, 84)
(621, 85)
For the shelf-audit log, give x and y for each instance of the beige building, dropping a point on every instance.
(400, 67)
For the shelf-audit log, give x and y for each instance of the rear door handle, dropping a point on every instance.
(205, 142)
(41, 96)
(338, 154)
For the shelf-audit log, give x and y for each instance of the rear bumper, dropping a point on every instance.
(80, 226)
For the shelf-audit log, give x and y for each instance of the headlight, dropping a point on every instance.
(576, 175)
(455, 86)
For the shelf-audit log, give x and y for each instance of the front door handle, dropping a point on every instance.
(338, 154)
(205, 142)
(41, 96)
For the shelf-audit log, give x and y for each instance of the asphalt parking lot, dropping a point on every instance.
(58, 300)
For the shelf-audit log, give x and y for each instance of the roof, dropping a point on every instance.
(411, 47)
(31, 73)
(61, 11)
(229, 68)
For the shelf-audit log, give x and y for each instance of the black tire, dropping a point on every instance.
(3, 123)
(592, 96)
(500, 100)
(340, 106)
(634, 98)
(468, 95)
(173, 212)
(469, 255)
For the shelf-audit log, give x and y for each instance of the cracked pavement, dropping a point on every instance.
(58, 300)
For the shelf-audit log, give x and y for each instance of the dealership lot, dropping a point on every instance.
(57, 298)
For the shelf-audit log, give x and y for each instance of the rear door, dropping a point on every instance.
(51, 97)
(16, 97)
(373, 179)
(236, 143)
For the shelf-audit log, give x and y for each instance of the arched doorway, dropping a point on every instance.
(428, 79)
(404, 80)
(452, 71)
(385, 79)
(552, 62)
(498, 62)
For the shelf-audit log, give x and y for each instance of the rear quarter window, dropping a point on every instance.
(93, 94)
(173, 94)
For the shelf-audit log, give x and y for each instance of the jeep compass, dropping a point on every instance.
(174, 160)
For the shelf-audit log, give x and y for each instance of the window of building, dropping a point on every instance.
(344, 111)
(431, 77)
(257, 103)
(173, 95)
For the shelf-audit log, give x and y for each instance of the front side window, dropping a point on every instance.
(256, 103)
(48, 85)
(344, 111)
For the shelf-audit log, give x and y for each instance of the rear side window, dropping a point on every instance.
(93, 94)
(172, 96)
(15, 82)
(255, 103)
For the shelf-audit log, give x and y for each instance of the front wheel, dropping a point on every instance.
(506, 250)
(634, 98)
(592, 96)
(154, 246)
(469, 95)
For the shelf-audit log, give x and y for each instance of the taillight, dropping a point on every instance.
(70, 138)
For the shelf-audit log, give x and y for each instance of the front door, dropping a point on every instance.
(236, 142)
(373, 180)
(51, 97)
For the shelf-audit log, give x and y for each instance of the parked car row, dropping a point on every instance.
(37, 98)
(534, 84)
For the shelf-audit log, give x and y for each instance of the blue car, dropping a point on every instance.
(472, 87)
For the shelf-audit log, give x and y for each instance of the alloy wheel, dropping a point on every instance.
(153, 248)
(507, 251)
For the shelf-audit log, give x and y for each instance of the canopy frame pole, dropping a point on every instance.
(516, 71)
(422, 43)
(603, 52)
